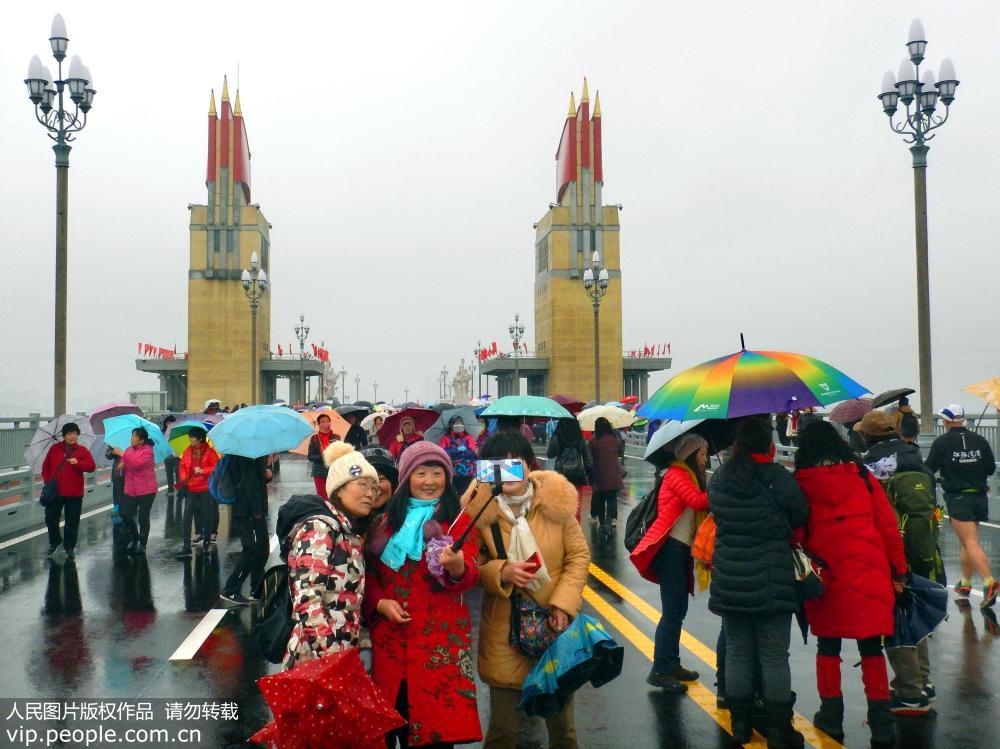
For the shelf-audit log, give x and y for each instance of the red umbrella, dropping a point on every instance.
(847, 411)
(573, 405)
(423, 419)
(329, 701)
(107, 411)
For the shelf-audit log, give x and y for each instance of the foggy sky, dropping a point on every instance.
(403, 151)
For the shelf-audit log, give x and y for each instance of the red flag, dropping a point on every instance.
(279, 349)
(668, 347)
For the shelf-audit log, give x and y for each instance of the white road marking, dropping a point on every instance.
(43, 531)
(192, 644)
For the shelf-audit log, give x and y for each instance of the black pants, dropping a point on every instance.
(402, 733)
(171, 465)
(198, 511)
(54, 511)
(604, 505)
(256, 549)
(134, 512)
(673, 567)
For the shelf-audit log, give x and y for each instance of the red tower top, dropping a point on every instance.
(228, 146)
(580, 144)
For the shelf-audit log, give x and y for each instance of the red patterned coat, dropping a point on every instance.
(326, 570)
(433, 652)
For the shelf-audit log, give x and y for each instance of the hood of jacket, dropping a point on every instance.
(555, 499)
(886, 457)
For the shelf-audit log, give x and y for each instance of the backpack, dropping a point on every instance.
(272, 622)
(911, 494)
(570, 464)
(221, 485)
(643, 515)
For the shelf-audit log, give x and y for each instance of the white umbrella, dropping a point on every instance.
(667, 433)
(619, 417)
(210, 401)
(368, 423)
(48, 434)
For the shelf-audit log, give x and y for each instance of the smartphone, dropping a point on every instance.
(534, 562)
(511, 470)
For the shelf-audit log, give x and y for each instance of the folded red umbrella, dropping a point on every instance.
(326, 702)
(423, 419)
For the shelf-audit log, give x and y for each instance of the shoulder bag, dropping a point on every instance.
(50, 489)
(808, 570)
(530, 632)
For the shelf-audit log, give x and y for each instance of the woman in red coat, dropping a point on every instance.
(66, 462)
(664, 556)
(852, 530)
(420, 626)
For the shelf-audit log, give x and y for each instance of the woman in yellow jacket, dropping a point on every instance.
(541, 508)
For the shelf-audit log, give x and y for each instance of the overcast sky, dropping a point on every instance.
(402, 152)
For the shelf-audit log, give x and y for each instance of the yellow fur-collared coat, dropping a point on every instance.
(552, 518)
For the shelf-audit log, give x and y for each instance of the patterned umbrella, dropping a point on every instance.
(618, 417)
(326, 702)
(847, 411)
(48, 434)
(108, 411)
(750, 382)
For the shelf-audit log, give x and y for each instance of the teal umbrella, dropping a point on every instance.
(118, 434)
(256, 431)
(526, 405)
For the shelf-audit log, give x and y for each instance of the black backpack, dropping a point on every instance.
(643, 515)
(272, 621)
(570, 463)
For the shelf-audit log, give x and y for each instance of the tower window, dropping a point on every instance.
(542, 255)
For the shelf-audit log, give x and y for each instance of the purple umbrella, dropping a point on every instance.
(109, 410)
(846, 412)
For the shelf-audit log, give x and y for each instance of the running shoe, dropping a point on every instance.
(929, 692)
(990, 595)
(962, 591)
(215, 538)
(910, 706)
(196, 539)
(237, 598)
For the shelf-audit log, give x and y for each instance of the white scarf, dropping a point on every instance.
(522, 541)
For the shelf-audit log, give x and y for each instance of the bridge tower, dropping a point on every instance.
(225, 232)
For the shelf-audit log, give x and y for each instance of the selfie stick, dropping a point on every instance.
(495, 491)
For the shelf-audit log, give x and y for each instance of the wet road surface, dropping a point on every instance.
(107, 626)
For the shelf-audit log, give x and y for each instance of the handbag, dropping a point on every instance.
(703, 545)
(808, 570)
(50, 489)
(530, 632)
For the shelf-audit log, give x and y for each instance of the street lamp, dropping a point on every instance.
(343, 385)
(916, 128)
(50, 111)
(479, 365)
(406, 395)
(301, 333)
(254, 287)
(375, 388)
(516, 334)
(442, 382)
(357, 388)
(595, 282)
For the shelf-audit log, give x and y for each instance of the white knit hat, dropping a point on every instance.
(345, 464)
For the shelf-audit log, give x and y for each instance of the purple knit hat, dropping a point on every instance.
(418, 454)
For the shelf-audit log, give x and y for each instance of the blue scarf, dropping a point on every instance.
(408, 541)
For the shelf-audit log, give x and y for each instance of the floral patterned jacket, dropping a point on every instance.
(326, 570)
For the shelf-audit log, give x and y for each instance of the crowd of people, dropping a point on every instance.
(373, 567)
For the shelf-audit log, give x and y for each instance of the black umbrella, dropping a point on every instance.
(890, 396)
(920, 608)
(355, 409)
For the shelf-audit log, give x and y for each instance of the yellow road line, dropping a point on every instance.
(813, 735)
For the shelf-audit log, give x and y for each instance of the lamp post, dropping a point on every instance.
(915, 128)
(343, 385)
(479, 364)
(406, 395)
(357, 388)
(254, 287)
(301, 333)
(375, 389)
(62, 125)
(442, 380)
(595, 282)
(516, 334)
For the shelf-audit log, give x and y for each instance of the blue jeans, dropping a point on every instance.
(673, 567)
(754, 640)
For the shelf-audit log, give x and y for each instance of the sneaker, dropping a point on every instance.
(215, 538)
(184, 553)
(990, 595)
(962, 591)
(235, 598)
(51, 551)
(929, 692)
(910, 706)
(684, 674)
(990, 622)
(71, 553)
(196, 539)
(666, 682)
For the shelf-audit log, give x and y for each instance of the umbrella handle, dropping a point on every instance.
(495, 491)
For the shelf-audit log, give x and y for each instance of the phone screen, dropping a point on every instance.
(511, 470)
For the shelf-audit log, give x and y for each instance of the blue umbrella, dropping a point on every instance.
(527, 405)
(118, 433)
(920, 608)
(585, 652)
(256, 431)
(440, 427)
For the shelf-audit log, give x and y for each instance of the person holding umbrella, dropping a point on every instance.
(606, 450)
(420, 624)
(171, 463)
(664, 555)
(408, 435)
(755, 501)
(355, 435)
(139, 467)
(461, 448)
(317, 446)
(196, 465)
(66, 462)
(852, 529)
(250, 477)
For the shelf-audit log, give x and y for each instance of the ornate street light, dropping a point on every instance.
(479, 365)
(254, 287)
(595, 282)
(516, 334)
(62, 125)
(343, 385)
(375, 389)
(442, 381)
(301, 333)
(923, 95)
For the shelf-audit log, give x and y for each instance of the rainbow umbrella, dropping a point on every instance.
(178, 435)
(750, 382)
